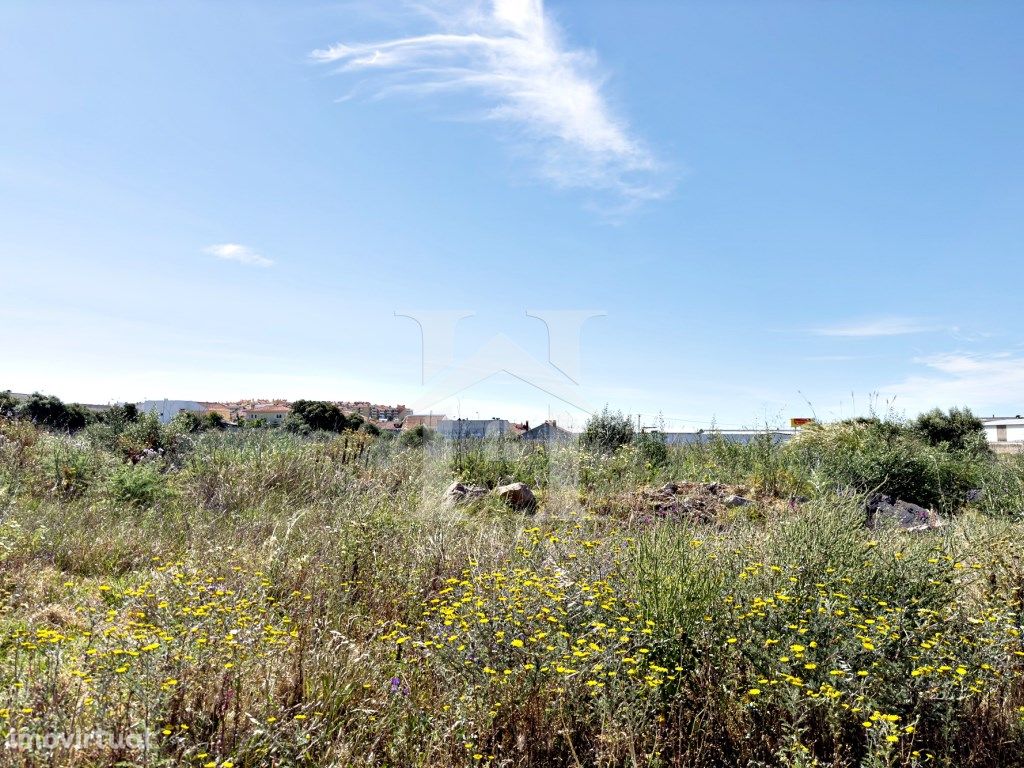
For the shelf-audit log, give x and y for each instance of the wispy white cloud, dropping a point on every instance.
(988, 383)
(882, 326)
(512, 55)
(243, 254)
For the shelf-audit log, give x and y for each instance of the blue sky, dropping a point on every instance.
(780, 206)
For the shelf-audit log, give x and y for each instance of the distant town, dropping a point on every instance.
(1002, 432)
(387, 418)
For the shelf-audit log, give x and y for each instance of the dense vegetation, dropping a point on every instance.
(274, 597)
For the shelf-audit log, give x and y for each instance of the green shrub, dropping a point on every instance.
(1002, 487)
(494, 462)
(8, 404)
(17, 454)
(188, 422)
(959, 429)
(51, 412)
(417, 437)
(119, 416)
(69, 466)
(606, 431)
(369, 428)
(147, 438)
(761, 463)
(214, 420)
(296, 425)
(866, 456)
(607, 474)
(138, 485)
(651, 448)
(322, 416)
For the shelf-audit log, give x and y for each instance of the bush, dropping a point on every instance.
(138, 485)
(494, 463)
(119, 416)
(320, 415)
(1003, 487)
(147, 438)
(8, 404)
(651, 448)
(68, 466)
(884, 456)
(110, 425)
(213, 420)
(762, 463)
(417, 437)
(606, 432)
(959, 429)
(51, 412)
(192, 423)
(296, 425)
(369, 428)
(187, 421)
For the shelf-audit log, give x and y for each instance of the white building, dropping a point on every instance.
(1004, 429)
(473, 429)
(166, 410)
(741, 436)
(271, 414)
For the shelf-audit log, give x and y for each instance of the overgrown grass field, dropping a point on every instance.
(260, 598)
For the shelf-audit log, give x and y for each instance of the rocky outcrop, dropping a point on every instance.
(886, 512)
(518, 496)
(696, 501)
(735, 500)
(458, 493)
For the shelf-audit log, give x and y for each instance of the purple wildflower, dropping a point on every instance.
(396, 686)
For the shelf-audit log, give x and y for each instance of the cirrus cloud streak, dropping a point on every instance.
(511, 55)
(883, 326)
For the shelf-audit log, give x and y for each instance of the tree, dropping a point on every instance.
(369, 428)
(320, 415)
(119, 416)
(8, 405)
(213, 420)
(417, 437)
(296, 425)
(607, 431)
(187, 421)
(651, 448)
(959, 429)
(43, 410)
(52, 412)
(77, 417)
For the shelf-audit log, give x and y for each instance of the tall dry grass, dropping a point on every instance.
(266, 599)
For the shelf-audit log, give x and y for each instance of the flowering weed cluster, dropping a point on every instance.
(186, 654)
(300, 601)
